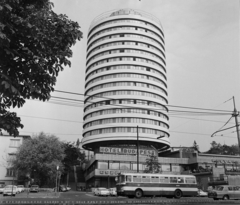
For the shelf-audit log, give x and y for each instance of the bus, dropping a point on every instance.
(146, 184)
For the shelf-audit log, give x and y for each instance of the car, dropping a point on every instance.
(68, 188)
(10, 190)
(113, 192)
(225, 192)
(62, 188)
(202, 193)
(101, 191)
(20, 188)
(34, 188)
(1, 188)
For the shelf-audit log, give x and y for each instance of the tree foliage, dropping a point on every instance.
(152, 165)
(217, 148)
(40, 155)
(35, 44)
(73, 156)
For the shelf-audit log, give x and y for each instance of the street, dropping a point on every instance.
(74, 197)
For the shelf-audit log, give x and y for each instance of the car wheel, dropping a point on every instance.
(225, 197)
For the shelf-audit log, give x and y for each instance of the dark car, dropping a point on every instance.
(34, 188)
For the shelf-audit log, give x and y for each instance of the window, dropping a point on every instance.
(173, 179)
(180, 180)
(145, 178)
(114, 165)
(164, 180)
(154, 179)
(10, 172)
(14, 142)
(102, 165)
(190, 180)
(124, 166)
(128, 178)
(136, 178)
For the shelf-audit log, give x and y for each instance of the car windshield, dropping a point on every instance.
(34, 186)
(20, 186)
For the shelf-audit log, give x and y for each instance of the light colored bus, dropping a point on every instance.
(145, 184)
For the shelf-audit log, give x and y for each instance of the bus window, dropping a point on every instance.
(128, 178)
(180, 180)
(164, 180)
(173, 179)
(190, 180)
(136, 178)
(145, 178)
(154, 179)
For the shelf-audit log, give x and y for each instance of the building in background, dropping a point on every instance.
(126, 105)
(125, 90)
(8, 148)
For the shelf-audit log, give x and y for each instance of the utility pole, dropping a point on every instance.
(235, 114)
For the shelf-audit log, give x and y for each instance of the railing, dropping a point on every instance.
(108, 14)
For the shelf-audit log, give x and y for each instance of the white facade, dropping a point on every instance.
(8, 148)
(126, 83)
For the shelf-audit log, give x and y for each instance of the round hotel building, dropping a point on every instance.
(126, 83)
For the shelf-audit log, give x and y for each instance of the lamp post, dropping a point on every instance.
(56, 179)
(137, 152)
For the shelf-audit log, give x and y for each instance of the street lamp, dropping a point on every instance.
(56, 179)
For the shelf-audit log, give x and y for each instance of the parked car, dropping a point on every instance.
(20, 188)
(101, 191)
(68, 188)
(202, 193)
(1, 188)
(61, 188)
(113, 192)
(225, 192)
(34, 188)
(10, 190)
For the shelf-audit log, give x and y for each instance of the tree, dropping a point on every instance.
(73, 157)
(217, 148)
(152, 165)
(39, 156)
(196, 146)
(35, 44)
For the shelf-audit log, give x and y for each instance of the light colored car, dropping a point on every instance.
(1, 188)
(101, 191)
(113, 192)
(20, 188)
(202, 193)
(34, 188)
(10, 190)
(68, 188)
(225, 192)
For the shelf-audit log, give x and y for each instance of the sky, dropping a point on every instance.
(203, 70)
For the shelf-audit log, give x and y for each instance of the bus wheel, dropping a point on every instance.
(138, 193)
(178, 194)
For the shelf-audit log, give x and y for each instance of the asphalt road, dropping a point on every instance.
(82, 198)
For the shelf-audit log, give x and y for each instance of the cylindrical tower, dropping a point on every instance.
(126, 83)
